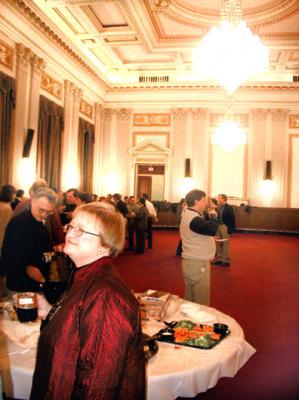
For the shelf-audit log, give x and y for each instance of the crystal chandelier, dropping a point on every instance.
(230, 53)
(229, 133)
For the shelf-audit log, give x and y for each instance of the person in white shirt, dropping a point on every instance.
(152, 218)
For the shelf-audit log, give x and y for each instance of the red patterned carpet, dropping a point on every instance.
(260, 290)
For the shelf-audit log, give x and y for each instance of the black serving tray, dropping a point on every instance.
(204, 344)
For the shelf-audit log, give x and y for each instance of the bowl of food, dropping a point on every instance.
(166, 334)
(220, 328)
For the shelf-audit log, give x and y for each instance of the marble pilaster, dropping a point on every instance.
(24, 55)
(179, 120)
(256, 155)
(69, 167)
(97, 183)
(37, 66)
(200, 148)
(279, 156)
(124, 118)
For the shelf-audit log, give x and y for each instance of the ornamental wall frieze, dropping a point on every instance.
(51, 86)
(294, 121)
(242, 119)
(6, 55)
(86, 109)
(34, 19)
(151, 119)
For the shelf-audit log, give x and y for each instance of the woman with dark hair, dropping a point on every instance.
(90, 345)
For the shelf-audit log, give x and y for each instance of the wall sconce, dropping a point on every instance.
(28, 143)
(187, 168)
(268, 171)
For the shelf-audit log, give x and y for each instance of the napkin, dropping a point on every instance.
(196, 315)
(20, 334)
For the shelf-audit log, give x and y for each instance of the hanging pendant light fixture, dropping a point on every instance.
(229, 133)
(230, 53)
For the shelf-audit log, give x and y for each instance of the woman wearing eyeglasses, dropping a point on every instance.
(90, 345)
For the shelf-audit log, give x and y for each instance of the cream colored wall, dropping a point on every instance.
(189, 109)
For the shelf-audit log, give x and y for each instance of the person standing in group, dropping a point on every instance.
(141, 223)
(7, 195)
(197, 234)
(226, 217)
(53, 222)
(90, 346)
(17, 200)
(120, 205)
(26, 244)
(133, 209)
(152, 218)
(181, 206)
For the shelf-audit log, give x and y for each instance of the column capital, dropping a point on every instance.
(68, 86)
(199, 113)
(108, 113)
(179, 113)
(124, 113)
(24, 55)
(279, 114)
(98, 108)
(38, 64)
(259, 114)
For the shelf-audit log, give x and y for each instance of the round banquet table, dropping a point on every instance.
(180, 371)
(174, 371)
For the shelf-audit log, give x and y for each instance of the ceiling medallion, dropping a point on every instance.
(230, 54)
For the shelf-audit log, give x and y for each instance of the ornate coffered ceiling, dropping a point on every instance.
(143, 42)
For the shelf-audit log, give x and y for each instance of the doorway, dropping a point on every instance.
(150, 179)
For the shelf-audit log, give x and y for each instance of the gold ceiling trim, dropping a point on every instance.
(202, 20)
(31, 16)
(292, 87)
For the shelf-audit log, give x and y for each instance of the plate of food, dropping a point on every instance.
(187, 333)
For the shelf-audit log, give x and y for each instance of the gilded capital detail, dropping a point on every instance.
(108, 113)
(179, 113)
(24, 55)
(259, 114)
(279, 114)
(199, 113)
(38, 64)
(124, 114)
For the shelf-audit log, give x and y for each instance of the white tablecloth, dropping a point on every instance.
(174, 371)
(184, 371)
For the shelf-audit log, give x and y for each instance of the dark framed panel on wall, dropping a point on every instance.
(86, 154)
(49, 141)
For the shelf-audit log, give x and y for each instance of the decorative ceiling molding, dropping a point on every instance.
(34, 19)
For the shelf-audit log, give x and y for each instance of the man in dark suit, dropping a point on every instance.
(226, 217)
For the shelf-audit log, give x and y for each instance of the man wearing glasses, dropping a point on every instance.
(26, 244)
